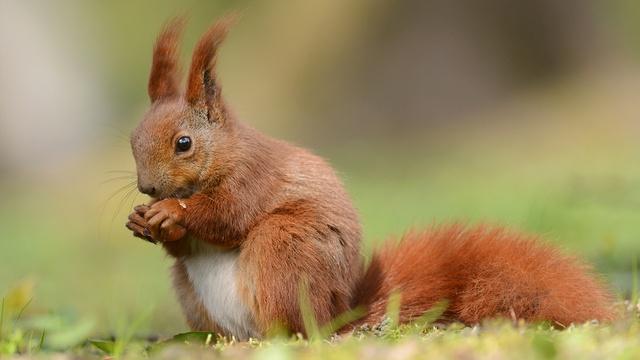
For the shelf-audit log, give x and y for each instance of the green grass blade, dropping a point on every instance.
(1, 317)
(306, 310)
(41, 343)
(432, 315)
(634, 281)
(193, 337)
(341, 320)
(393, 309)
(108, 347)
(22, 309)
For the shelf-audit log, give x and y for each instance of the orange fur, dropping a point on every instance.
(482, 272)
(290, 248)
(276, 216)
(165, 76)
(202, 86)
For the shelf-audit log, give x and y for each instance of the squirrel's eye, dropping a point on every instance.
(183, 144)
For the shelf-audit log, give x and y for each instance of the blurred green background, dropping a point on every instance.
(521, 113)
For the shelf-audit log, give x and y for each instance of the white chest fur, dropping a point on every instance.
(214, 275)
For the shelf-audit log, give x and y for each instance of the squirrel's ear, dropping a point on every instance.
(164, 80)
(202, 87)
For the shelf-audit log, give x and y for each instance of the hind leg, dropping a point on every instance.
(278, 257)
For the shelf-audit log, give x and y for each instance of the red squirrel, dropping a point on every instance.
(248, 218)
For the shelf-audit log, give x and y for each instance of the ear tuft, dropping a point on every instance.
(202, 87)
(164, 80)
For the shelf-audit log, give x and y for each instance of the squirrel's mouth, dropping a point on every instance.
(179, 193)
(182, 192)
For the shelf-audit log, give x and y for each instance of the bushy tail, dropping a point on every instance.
(481, 272)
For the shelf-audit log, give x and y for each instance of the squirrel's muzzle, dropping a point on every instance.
(147, 189)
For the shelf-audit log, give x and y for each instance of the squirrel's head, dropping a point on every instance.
(176, 145)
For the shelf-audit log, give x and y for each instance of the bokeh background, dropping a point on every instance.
(524, 113)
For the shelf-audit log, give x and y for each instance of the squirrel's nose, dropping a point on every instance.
(147, 189)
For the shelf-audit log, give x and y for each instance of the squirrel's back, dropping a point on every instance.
(481, 272)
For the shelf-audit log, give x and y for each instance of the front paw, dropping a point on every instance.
(165, 220)
(138, 225)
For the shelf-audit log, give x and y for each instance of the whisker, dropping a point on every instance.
(118, 133)
(120, 189)
(132, 185)
(126, 177)
(133, 199)
(120, 204)
(120, 172)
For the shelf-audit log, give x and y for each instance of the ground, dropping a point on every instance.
(493, 339)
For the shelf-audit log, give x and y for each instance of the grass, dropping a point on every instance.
(421, 339)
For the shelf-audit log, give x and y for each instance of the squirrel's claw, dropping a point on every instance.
(140, 232)
(139, 225)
